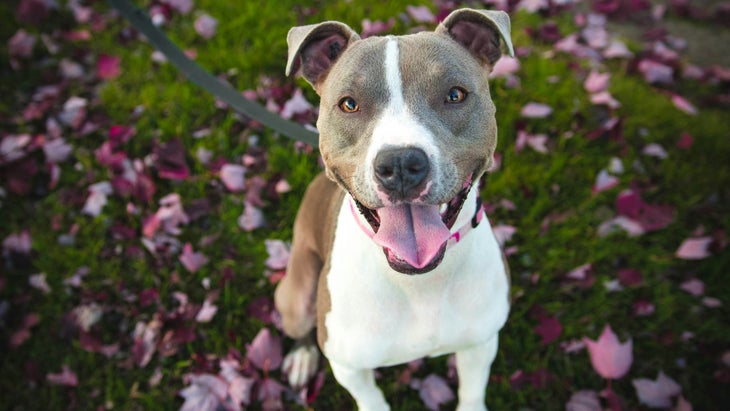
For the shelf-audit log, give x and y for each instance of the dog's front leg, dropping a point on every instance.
(473, 365)
(360, 382)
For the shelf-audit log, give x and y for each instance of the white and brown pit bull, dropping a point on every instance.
(392, 258)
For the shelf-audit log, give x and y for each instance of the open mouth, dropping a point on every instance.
(414, 236)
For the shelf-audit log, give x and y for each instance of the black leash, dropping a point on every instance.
(141, 21)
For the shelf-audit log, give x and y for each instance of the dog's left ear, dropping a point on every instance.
(479, 32)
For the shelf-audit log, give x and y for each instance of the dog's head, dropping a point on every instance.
(406, 123)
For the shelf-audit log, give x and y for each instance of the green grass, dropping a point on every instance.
(250, 45)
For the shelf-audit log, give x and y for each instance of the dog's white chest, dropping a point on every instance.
(380, 317)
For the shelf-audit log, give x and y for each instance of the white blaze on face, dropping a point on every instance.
(397, 126)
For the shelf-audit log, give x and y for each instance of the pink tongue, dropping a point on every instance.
(414, 232)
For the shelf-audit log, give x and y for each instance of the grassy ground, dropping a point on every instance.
(556, 216)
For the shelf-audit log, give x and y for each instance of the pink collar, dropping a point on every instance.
(455, 236)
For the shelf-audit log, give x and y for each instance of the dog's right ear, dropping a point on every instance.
(316, 47)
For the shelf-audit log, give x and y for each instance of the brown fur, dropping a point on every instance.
(296, 296)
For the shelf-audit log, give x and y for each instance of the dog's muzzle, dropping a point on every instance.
(414, 237)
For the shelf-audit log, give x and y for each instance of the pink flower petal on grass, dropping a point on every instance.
(434, 391)
(21, 44)
(657, 393)
(685, 141)
(251, 219)
(536, 110)
(97, 198)
(597, 82)
(206, 392)
(107, 67)
(233, 178)
(206, 26)
(206, 313)
(684, 105)
(278, 254)
(585, 400)
(38, 281)
(549, 329)
(505, 66)
(264, 352)
(66, 377)
(372, 28)
(604, 181)
(693, 286)
(610, 358)
(617, 49)
(421, 14)
(181, 6)
(632, 227)
(655, 150)
(683, 405)
(57, 150)
(170, 160)
(504, 233)
(605, 98)
(297, 104)
(694, 248)
(655, 72)
(533, 6)
(18, 243)
(192, 261)
(711, 302)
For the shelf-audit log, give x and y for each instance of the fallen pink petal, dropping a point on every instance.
(597, 82)
(584, 400)
(684, 105)
(66, 377)
(206, 26)
(536, 110)
(193, 261)
(505, 66)
(604, 182)
(421, 14)
(278, 254)
(693, 286)
(610, 358)
(434, 391)
(206, 313)
(107, 67)
(265, 351)
(656, 393)
(694, 248)
(233, 178)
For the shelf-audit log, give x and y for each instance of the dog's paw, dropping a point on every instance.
(301, 364)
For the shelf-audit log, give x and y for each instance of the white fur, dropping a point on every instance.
(380, 317)
(397, 126)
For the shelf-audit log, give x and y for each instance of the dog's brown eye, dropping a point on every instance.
(455, 95)
(349, 105)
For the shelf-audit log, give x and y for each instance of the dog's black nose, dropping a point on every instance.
(400, 170)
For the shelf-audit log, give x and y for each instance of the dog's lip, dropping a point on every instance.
(448, 211)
